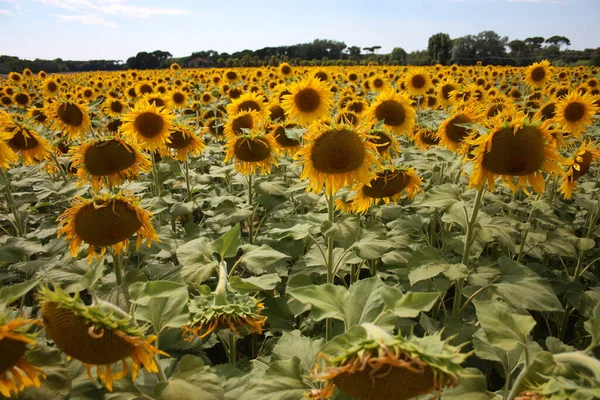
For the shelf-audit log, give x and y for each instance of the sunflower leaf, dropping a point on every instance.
(503, 326)
(325, 301)
(227, 245)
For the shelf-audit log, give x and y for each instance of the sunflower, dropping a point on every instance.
(16, 373)
(241, 123)
(538, 74)
(108, 161)
(149, 125)
(69, 117)
(105, 221)
(249, 102)
(574, 112)
(37, 114)
(452, 133)
(178, 98)
(183, 143)
(517, 148)
(587, 154)
(348, 117)
(22, 99)
(386, 143)
(310, 100)
(418, 82)
(425, 138)
(394, 110)
(336, 156)
(206, 98)
(50, 87)
(32, 147)
(378, 83)
(144, 87)
(96, 337)
(285, 69)
(208, 314)
(276, 112)
(387, 186)
(368, 363)
(253, 152)
(289, 145)
(444, 91)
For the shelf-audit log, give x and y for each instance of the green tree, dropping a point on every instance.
(464, 51)
(398, 56)
(439, 48)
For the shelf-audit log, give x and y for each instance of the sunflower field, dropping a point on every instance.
(372, 233)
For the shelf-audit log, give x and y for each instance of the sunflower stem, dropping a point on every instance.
(251, 218)
(232, 349)
(118, 265)
(590, 229)
(418, 109)
(221, 290)
(330, 260)
(467, 249)
(160, 374)
(157, 185)
(59, 167)
(188, 185)
(526, 232)
(11, 203)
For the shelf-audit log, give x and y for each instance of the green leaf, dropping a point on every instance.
(370, 247)
(282, 381)
(192, 380)
(296, 232)
(293, 344)
(325, 301)
(344, 231)
(542, 365)
(364, 301)
(503, 326)
(196, 257)
(11, 293)
(592, 325)
(410, 304)
(257, 259)
(227, 245)
(254, 283)
(473, 386)
(162, 303)
(57, 384)
(431, 270)
(441, 196)
(15, 249)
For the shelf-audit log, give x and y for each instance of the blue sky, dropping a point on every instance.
(118, 29)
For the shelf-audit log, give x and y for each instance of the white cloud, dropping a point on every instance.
(6, 12)
(89, 19)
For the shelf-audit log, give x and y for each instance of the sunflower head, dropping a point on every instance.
(368, 363)
(425, 138)
(95, 336)
(587, 154)
(253, 152)
(418, 82)
(288, 144)
(394, 110)
(183, 143)
(454, 130)
(310, 100)
(385, 141)
(242, 123)
(249, 102)
(70, 117)
(149, 125)
(23, 140)
(106, 221)
(538, 74)
(575, 111)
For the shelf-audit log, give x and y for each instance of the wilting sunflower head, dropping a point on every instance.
(288, 144)
(418, 82)
(183, 143)
(454, 130)
(587, 154)
(69, 117)
(310, 100)
(253, 153)
(249, 102)
(337, 156)
(108, 161)
(538, 74)
(574, 112)
(368, 363)
(105, 221)
(16, 373)
(394, 110)
(518, 148)
(385, 142)
(387, 187)
(149, 125)
(425, 138)
(241, 314)
(95, 336)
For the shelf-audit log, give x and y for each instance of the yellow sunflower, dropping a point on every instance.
(32, 147)
(178, 98)
(386, 143)
(538, 74)
(50, 87)
(108, 161)
(249, 102)
(252, 152)
(114, 107)
(394, 110)
(183, 143)
(105, 221)
(16, 373)
(241, 123)
(285, 69)
(7, 154)
(418, 82)
(425, 138)
(378, 83)
(388, 187)
(587, 154)
(149, 125)
(69, 117)
(452, 133)
(574, 112)
(517, 148)
(336, 156)
(289, 145)
(96, 337)
(310, 100)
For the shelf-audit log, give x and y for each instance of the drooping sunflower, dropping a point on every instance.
(105, 221)
(249, 102)
(289, 145)
(418, 82)
(69, 117)
(336, 155)
(518, 148)
(386, 143)
(388, 187)
(253, 152)
(32, 147)
(579, 165)
(425, 138)
(149, 125)
(394, 110)
(16, 373)
(310, 100)
(368, 363)
(575, 111)
(108, 159)
(96, 337)
(452, 133)
(241, 124)
(538, 74)
(183, 143)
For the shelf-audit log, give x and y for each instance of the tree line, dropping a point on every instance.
(486, 47)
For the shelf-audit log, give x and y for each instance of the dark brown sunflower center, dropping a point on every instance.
(157, 101)
(11, 351)
(538, 74)
(106, 223)
(179, 140)
(52, 87)
(277, 113)
(391, 112)
(584, 165)
(356, 107)
(108, 157)
(446, 89)
(286, 70)
(378, 83)
(457, 133)
(282, 139)
(307, 100)
(71, 334)
(562, 92)
(352, 77)
(113, 126)
(22, 140)
(145, 88)
(574, 111)
(243, 122)
(231, 75)
(206, 97)
(22, 99)
(494, 110)
(548, 111)
(381, 140)
(252, 150)
(429, 137)
(338, 152)
(6, 101)
(387, 184)
(39, 116)
(418, 81)
(149, 124)
(70, 114)
(116, 106)
(348, 117)
(248, 105)
(322, 76)
(515, 153)
(178, 98)
(88, 93)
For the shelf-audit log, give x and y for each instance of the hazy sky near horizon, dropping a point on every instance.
(118, 29)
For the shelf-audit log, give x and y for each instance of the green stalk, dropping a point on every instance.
(467, 249)
(232, 349)
(330, 266)
(160, 375)
(188, 185)
(251, 218)
(59, 167)
(157, 185)
(590, 229)
(11, 203)
(118, 265)
(526, 231)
